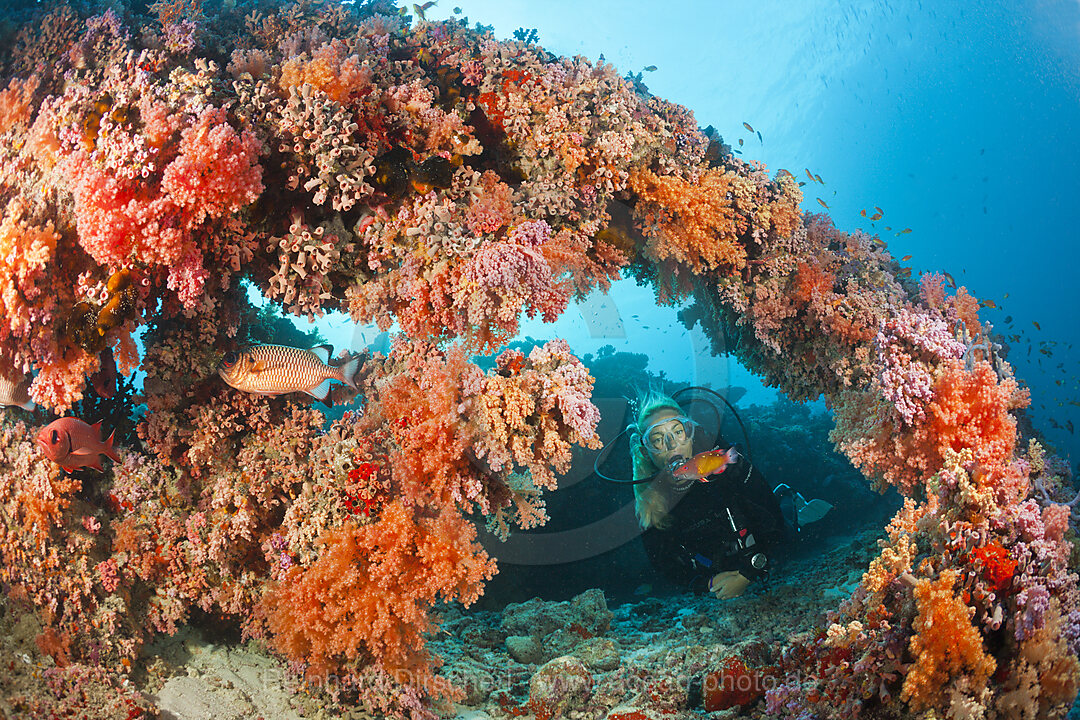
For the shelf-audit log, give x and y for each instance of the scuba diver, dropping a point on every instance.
(711, 520)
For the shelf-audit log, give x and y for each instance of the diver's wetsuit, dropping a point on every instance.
(700, 542)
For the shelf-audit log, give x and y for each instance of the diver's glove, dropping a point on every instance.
(729, 584)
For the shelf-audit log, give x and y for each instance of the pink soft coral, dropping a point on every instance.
(217, 170)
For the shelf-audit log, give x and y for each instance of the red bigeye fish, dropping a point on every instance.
(71, 443)
(104, 380)
(702, 465)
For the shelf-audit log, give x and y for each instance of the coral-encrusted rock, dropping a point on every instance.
(587, 612)
(524, 648)
(482, 635)
(599, 654)
(559, 686)
(472, 677)
(560, 642)
(591, 610)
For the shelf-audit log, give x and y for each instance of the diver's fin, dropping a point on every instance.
(323, 352)
(813, 511)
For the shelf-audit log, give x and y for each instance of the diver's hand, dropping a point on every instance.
(727, 585)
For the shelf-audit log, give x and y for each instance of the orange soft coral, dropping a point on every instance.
(946, 645)
(330, 71)
(367, 596)
(689, 222)
(15, 102)
(59, 383)
(26, 251)
(966, 307)
(811, 280)
(971, 409)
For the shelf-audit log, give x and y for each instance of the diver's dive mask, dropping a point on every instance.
(668, 433)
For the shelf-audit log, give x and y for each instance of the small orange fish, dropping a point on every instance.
(905, 258)
(748, 128)
(740, 142)
(823, 203)
(818, 178)
(906, 272)
(809, 175)
(863, 212)
(880, 211)
(905, 231)
(875, 217)
(702, 465)
(279, 369)
(1005, 296)
(71, 444)
(888, 227)
(949, 279)
(990, 304)
(1037, 327)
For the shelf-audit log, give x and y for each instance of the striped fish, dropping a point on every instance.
(279, 369)
(14, 392)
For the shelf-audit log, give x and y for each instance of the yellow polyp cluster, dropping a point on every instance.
(89, 322)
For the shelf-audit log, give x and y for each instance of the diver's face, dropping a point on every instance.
(666, 438)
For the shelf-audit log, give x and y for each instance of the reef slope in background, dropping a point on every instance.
(152, 158)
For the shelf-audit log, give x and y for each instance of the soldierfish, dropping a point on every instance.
(279, 369)
(702, 465)
(14, 392)
(104, 380)
(71, 443)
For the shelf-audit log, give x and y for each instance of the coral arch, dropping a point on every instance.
(339, 157)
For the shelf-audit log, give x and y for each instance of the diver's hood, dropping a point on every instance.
(709, 410)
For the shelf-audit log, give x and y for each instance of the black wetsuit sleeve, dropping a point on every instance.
(672, 560)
